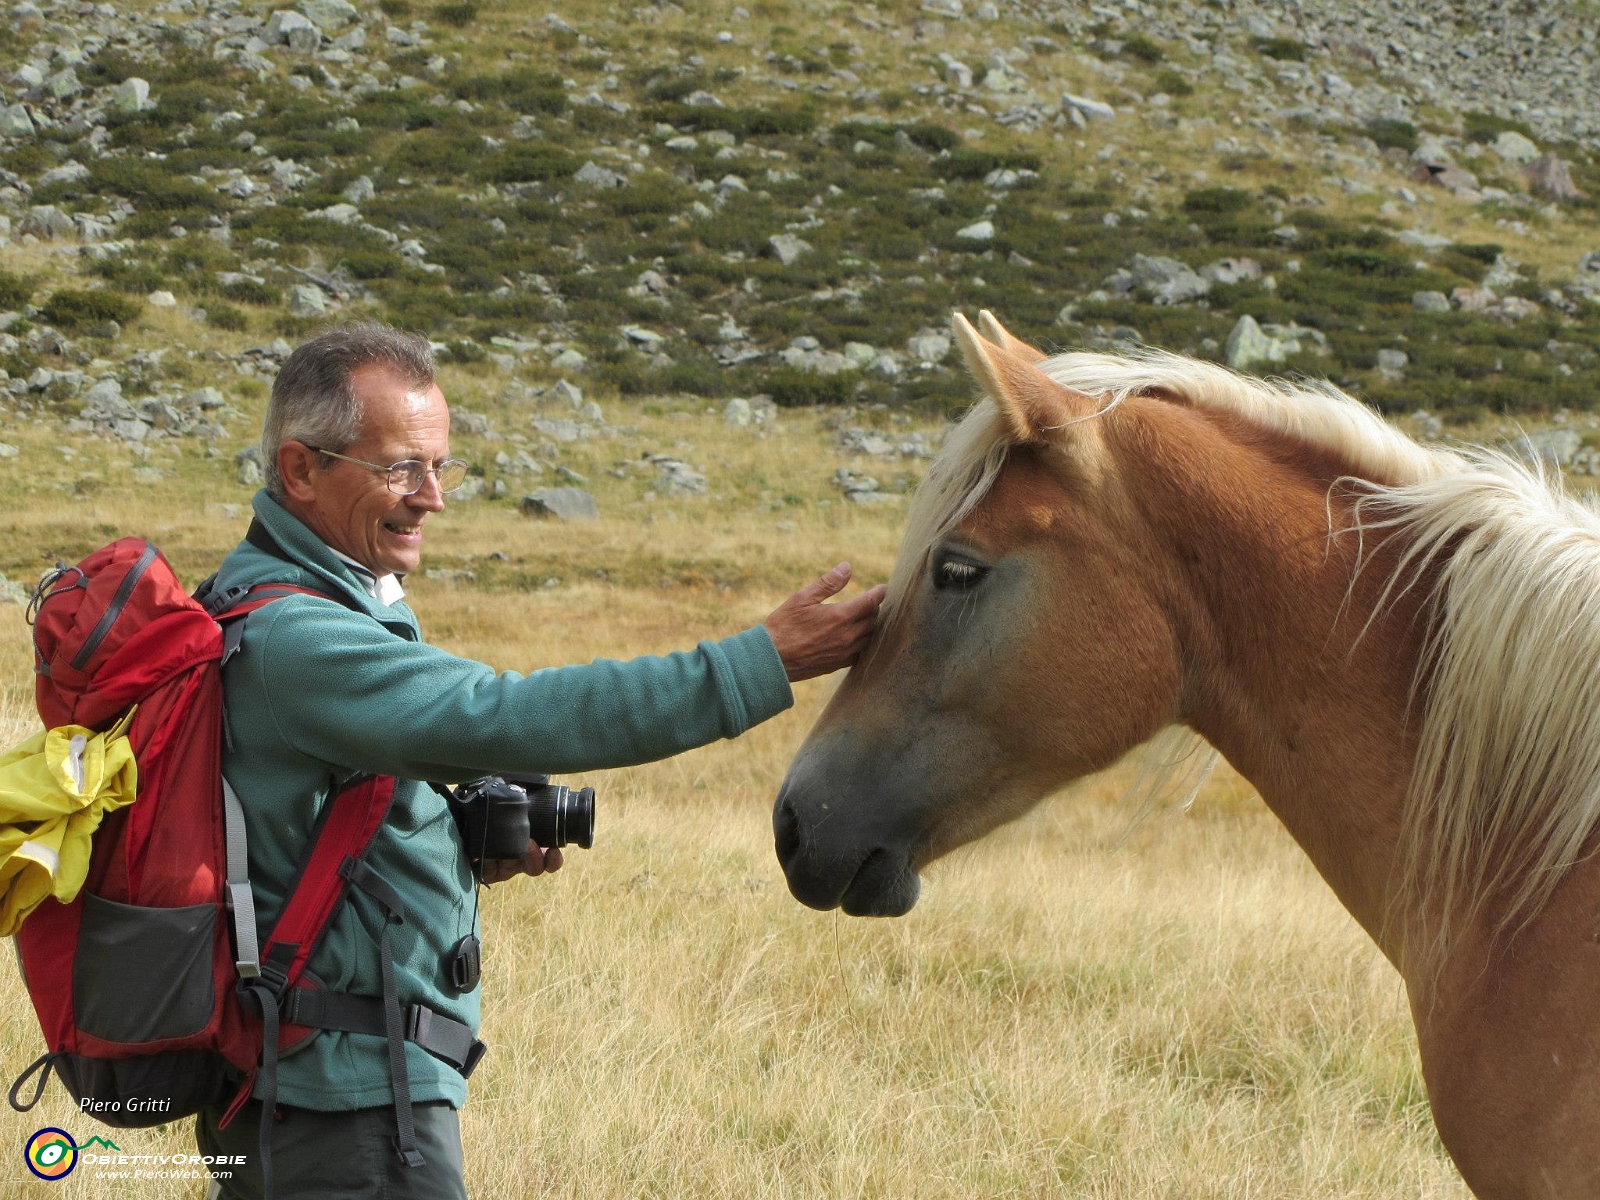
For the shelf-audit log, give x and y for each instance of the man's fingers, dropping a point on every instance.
(830, 584)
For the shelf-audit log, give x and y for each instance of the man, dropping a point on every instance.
(356, 449)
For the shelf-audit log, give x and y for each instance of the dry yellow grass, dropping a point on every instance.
(1186, 1014)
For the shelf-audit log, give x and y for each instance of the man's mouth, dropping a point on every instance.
(403, 530)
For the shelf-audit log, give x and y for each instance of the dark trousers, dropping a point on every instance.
(336, 1155)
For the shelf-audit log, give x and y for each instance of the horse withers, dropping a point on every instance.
(1398, 645)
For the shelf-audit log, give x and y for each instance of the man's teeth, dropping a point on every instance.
(393, 528)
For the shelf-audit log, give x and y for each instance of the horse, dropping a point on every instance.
(1398, 646)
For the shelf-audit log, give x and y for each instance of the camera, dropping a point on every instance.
(499, 815)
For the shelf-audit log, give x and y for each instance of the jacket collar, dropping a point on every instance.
(324, 567)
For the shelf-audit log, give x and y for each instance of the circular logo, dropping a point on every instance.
(51, 1154)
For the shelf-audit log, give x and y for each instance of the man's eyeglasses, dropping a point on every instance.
(406, 478)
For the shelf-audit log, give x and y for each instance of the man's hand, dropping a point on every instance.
(537, 861)
(814, 638)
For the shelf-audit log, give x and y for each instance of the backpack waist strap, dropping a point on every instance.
(446, 1039)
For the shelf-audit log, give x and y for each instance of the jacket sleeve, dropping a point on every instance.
(342, 688)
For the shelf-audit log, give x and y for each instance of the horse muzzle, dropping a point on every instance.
(828, 866)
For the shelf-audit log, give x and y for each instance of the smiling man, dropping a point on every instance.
(332, 687)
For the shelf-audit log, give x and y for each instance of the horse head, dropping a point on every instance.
(1029, 639)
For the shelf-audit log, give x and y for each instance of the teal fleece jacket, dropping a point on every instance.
(323, 689)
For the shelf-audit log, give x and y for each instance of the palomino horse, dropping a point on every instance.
(1399, 646)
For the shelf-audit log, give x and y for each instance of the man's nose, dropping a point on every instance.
(428, 496)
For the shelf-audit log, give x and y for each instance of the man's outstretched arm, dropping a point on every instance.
(814, 638)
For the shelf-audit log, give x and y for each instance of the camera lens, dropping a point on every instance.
(558, 816)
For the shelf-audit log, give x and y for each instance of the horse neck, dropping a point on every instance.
(1291, 670)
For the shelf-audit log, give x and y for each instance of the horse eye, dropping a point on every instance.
(957, 573)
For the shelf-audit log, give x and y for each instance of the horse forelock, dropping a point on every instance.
(1505, 794)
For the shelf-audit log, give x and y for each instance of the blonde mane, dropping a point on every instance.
(1505, 793)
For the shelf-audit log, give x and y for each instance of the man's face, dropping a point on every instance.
(353, 509)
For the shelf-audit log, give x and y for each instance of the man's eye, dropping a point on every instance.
(957, 573)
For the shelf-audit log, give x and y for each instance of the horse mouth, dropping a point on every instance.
(883, 887)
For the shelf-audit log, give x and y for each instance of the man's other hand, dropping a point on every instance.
(537, 861)
(814, 638)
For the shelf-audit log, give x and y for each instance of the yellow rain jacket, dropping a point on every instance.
(55, 788)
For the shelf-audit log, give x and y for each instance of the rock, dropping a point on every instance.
(566, 393)
(569, 360)
(7, 450)
(644, 339)
(1548, 176)
(360, 191)
(468, 423)
(339, 214)
(1473, 299)
(805, 355)
(674, 477)
(307, 301)
(1446, 175)
(63, 85)
(1094, 110)
(1392, 363)
(1555, 447)
(205, 399)
(47, 223)
(596, 176)
(12, 593)
(247, 464)
(130, 96)
(1503, 274)
(949, 9)
(1231, 270)
(787, 248)
(561, 504)
(591, 412)
(928, 345)
(15, 122)
(68, 172)
(1514, 148)
(559, 430)
(737, 413)
(1434, 302)
(289, 28)
(981, 231)
(957, 74)
(1166, 280)
(1251, 345)
(328, 14)
(161, 300)
(650, 283)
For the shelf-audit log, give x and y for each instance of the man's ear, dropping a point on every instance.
(1036, 407)
(297, 465)
(1002, 337)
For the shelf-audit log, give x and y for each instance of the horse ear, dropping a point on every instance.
(1002, 337)
(1033, 404)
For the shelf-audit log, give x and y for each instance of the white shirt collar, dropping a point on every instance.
(385, 589)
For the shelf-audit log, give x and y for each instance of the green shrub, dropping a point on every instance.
(225, 316)
(793, 388)
(932, 136)
(1142, 48)
(523, 90)
(1283, 49)
(15, 290)
(1392, 133)
(458, 15)
(70, 309)
(975, 164)
(1172, 83)
(244, 291)
(745, 122)
(126, 275)
(1486, 127)
(1217, 200)
(527, 163)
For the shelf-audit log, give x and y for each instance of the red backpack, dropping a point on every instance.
(153, 994)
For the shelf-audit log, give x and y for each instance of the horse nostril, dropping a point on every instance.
(786, 832)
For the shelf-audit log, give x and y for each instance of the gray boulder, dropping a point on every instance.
(328, 14)
(928, 345)
(1166, 280)
(787, 248)
(561, 504)
(130, 96)
(247, 464)
(597, 176)
(1553, 447)
(289, 28)
(15, 122)
(1434, 302)
(307, 301)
